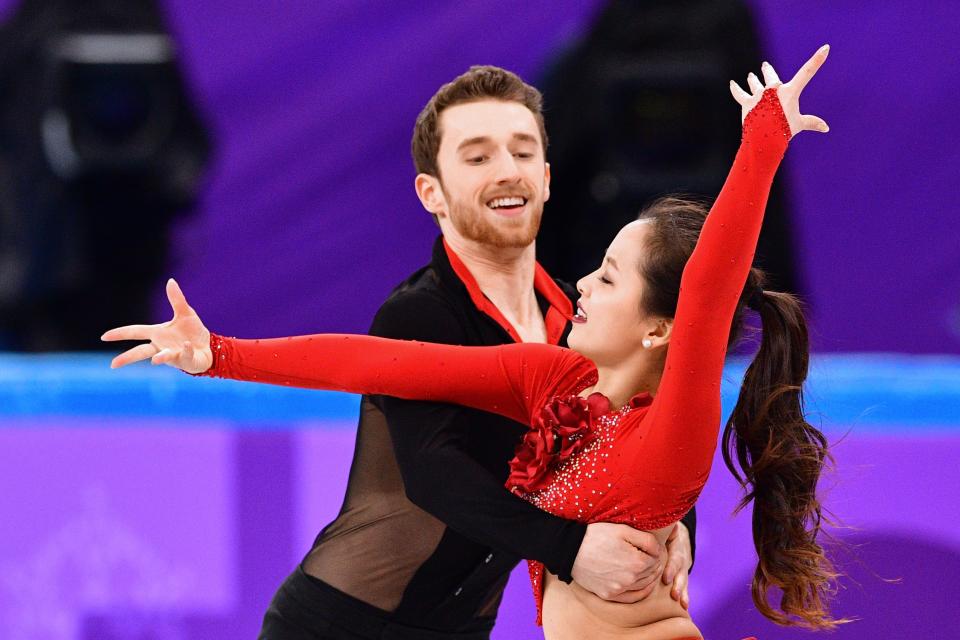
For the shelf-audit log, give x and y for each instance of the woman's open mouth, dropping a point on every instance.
(580, 317)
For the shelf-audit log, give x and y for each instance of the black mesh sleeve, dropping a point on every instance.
(430, 441)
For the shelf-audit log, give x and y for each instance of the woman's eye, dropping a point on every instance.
(524, 156)
(604, 280)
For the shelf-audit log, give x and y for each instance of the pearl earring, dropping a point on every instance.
(647, 343)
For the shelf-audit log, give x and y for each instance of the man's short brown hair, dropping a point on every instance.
(479, 83)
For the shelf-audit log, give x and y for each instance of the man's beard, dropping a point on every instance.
(511, 233)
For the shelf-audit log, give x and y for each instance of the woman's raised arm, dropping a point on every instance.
(714, 276)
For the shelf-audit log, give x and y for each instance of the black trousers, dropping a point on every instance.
(305, 608)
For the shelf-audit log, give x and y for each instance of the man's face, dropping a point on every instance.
(493, 175)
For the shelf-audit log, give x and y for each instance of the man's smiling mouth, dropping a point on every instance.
(507, 203)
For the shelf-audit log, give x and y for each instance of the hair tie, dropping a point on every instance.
(756, 298)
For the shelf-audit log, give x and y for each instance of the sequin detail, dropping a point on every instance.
(767, 109)
(585, 488)
(561, 494)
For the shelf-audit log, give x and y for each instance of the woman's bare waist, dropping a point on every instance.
(570, 611)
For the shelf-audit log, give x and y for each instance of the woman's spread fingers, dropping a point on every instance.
(129, 332)
(739, 94)
(809, 68)
(755, 85)
(813, 123)
(177, 300)
(770, 77)
(164, 356)
(136, 354)
(189, 353)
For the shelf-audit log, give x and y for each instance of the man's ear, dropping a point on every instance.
(430, 194)
(546, 181)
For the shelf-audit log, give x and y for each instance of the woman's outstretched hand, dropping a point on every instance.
(183, 342)
(788, 93)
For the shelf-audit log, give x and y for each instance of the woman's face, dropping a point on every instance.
(610, 324)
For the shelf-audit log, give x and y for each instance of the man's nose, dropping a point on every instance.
(507, 169)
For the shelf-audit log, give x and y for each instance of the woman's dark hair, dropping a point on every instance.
(768, 445)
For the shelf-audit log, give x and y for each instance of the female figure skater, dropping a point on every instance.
(624, 424)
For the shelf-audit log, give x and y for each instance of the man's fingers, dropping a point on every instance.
(138, 353)
(643, 541)
(647, 582)
(754, 83)
(129, 332)
(741, 96)
(813, 123)
(176, 298)
(680, 584)
(632, 596)
(678, 553)
(770, 77)
(809, 69)
(671, 569)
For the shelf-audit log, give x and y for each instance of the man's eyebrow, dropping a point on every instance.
(612, 262)
(471, 141)
(523, 137)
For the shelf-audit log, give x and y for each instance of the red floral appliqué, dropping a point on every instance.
(561, 430)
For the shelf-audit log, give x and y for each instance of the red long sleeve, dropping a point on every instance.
(687, 407)
(512, 380)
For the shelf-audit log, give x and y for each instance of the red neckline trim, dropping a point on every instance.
(559, 313)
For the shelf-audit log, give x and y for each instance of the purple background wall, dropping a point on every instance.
(877, 218)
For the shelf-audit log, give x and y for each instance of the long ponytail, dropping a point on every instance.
(777, 456)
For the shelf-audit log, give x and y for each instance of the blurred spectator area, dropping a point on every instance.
(100, 148)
